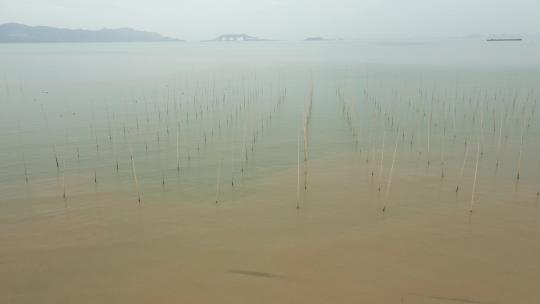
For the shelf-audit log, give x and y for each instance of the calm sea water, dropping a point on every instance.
(60, 98)
(88, 129)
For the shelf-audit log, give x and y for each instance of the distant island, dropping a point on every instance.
(237, 37)
(20, 33)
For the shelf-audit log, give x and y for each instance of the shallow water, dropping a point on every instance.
(193, 114)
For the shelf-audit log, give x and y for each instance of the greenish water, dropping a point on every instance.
(102, 99)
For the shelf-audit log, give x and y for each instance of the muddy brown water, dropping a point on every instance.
(99, 245)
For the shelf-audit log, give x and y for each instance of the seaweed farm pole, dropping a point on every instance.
(463, 165)
(22, 153)
(117, 167)
(305, 148)
(178, 149)
(499, 141)
(305, 158)
(428, 137)
(95, 168)
(218, 181)
(475, 176)
(520, 156)
(64, 179)
(390, 174)
(307, 117)
(520, 149)
(25, 169)
(56, 157)
(298, 176)
(54, 145)
(244, 150)
(232, 162)
(135, 177)
(442, 156)
(382, 159)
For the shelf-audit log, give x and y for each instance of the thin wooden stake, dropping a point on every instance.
(475, 176)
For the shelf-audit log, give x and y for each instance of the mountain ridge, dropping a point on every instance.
(21, 33)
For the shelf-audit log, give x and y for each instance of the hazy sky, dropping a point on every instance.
(284, 19)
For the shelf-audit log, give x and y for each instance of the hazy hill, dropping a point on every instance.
(14, 32)
(237, 37)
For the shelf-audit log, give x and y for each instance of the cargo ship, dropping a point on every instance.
(505, 39)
